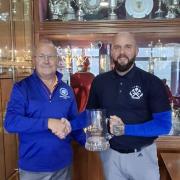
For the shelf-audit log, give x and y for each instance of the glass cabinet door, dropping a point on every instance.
(16, 40)
(16, 35)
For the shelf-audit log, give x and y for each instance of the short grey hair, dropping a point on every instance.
(44, 42)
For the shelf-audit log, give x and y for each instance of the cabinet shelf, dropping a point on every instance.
(91, 30)
(16, 64)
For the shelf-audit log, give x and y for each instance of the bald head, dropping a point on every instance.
(124, 36)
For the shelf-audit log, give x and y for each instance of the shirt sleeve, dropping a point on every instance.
(159, 107)
(77, 130)
(15, 119)
(159, 125)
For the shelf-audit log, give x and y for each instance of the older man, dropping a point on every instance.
(139, 111)
(38, 110)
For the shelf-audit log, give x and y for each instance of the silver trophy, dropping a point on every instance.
(173, 7)
(80, 12)
(57, 9)
(159, 14)
(176, 121)
(112, 6)
(151, 59)
(69, 13)
(97, 132)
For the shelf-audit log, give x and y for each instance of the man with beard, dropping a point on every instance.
(137, 105)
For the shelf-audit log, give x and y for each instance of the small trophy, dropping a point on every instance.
(176, 122)
(173, 7)
(97, 133)
(80, 12)
(159, 14)
(57, 9)
(69, 14)
(112, 6)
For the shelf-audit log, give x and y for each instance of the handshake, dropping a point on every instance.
(60, 128)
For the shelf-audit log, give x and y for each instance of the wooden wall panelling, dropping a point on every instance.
(94, 166)
(166, 144)
(163, 171)
(80, 162)
(86, 164)
(15, 176)
(2, 169)
(10, 143)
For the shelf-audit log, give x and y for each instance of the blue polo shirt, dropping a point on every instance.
(139, 99)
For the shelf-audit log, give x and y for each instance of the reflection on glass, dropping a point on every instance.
(4, 16)
(159, 14)
(97, 131)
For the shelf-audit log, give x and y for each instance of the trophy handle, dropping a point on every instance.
(108, 136)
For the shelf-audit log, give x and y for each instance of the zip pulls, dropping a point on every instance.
(47, 91)
(51, 94)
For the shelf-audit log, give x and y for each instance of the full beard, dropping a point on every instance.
(123, 67)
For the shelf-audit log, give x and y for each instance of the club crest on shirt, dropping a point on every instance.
(136, 92)
(64, 93)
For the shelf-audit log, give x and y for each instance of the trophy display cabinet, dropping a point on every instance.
(79, 24)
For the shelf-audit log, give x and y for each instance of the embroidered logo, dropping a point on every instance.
(64, 93)
(136, 92)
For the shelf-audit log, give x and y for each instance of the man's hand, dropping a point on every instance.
(116, 126)
(60, 128)
(67, 124)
